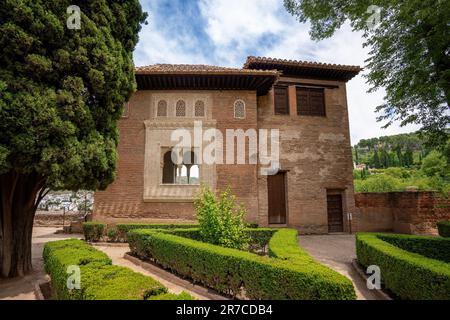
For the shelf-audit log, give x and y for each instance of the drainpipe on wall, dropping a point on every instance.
(349, 219)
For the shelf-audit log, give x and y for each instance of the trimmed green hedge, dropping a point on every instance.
(93, 231)
(407, 274)
(444, 228)
(234, 272)
(124, 228)
(430, 247)
(259, 238)
(99, 279)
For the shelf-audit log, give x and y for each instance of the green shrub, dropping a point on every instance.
(99, 279)
(171, 296)
(113, 235)
(93, 231)
(444, 228)
(430, 247)
(124, 228)
(378, 183)
(407, 274)
(234, 272)
(221, 220)
(258, 238)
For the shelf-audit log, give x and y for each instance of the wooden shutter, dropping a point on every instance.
(281, 100)
(311, 102)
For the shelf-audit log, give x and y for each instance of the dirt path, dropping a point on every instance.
(23, 288)
(173, 283)
(338, 252)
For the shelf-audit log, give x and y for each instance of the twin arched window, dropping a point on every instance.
(239, 109)
(188, 172)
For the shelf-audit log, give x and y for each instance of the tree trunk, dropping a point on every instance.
(19, 196)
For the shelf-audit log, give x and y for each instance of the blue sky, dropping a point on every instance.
(225, 32)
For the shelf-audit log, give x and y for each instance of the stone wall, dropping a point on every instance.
(400, 212)
(56, 218)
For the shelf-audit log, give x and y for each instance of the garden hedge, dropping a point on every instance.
(444, 228)
(407, 274)
(93, 231)
(124, 228)
(99, 279)
(238, 273)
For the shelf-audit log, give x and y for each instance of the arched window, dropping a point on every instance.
(199, 109)
(239, 109)
(181, 108)
(162, 108)
(169, 169)
(187, 172)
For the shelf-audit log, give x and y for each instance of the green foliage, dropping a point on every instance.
(62, 91)
(93, 231)
(170, 296)
(234, 272)
(430, 247)
(378, 183)
(407, 274)
(444, 228)
(408, 57)
(435, 164)
(399, 179)
(99, 279)
(221, 220)
(113, 235)
(124, 228)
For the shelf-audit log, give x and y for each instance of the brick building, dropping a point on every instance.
(311, 186)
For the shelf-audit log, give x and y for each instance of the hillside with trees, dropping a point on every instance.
(401, 162)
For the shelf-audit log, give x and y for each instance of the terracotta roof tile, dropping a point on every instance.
(197, 69)
(298, 63)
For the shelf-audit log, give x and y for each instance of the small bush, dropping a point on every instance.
(444, 228)
(99, 279)
(407, 274)
(113, 235)
(93, 231)
(234, 272)
(221, 220)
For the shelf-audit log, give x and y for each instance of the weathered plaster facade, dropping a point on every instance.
(315, 152)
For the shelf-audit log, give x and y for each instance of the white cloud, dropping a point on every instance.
(237, 28)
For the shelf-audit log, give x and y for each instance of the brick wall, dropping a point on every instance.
(401, 212)
(316, 153)
(123, 200)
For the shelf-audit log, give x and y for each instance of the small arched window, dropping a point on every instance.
(199, 109)
(181, 108)
(162, 108)
(239, 109)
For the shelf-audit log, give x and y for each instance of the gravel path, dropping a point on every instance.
(338, 252)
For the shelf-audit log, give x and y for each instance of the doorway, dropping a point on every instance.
(276, 187)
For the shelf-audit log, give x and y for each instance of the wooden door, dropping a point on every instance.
(335, 218)
(276, 186)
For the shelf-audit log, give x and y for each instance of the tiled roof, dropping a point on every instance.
(197, 69)
(304, 69)
(298, 63)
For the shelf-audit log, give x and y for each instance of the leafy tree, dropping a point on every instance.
(408, 57)
(434, 164)
(61, 93)
(376, 160)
